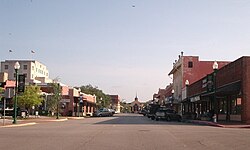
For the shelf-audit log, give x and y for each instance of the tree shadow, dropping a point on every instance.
(135, 119)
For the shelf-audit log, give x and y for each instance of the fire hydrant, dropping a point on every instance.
(214, 118)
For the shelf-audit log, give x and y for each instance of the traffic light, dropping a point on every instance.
(2, 84)
(21, 83)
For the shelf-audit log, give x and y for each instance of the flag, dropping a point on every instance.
(32, 51)
(10, 51)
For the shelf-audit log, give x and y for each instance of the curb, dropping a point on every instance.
(75, 118)
(19, 125)
(216, 124)
(57, 120)
(204, 123)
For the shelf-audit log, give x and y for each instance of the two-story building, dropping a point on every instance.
(223, 93)
(188, 68)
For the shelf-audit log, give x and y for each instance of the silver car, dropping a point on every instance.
(103, 112)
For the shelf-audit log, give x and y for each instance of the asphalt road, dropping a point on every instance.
(122, 132)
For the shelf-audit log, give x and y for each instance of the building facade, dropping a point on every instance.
(34, 71)
(115, 103)
(136, 106)
(188, 68)
(224, 93)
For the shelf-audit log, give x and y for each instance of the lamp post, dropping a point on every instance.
(79, 104)
(187, 84)
(215, 68)
(17, 67)
(103, 102)
(172, 100)
(58, 100)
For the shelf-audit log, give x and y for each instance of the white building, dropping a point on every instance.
(34, 71)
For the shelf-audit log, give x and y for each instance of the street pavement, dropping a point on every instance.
(123, 132)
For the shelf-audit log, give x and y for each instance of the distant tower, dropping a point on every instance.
(136, 97)
(135, 105)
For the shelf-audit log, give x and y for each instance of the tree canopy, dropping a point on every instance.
(1, 92)
(30, 97)
(102, 99)
(55, 98)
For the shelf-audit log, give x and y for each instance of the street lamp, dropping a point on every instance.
(215, 68)
(183, 108)
(58, 100)
(103, 102)
(17, 67)
(79, 104)
(172, 100)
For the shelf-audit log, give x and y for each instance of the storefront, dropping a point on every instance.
(226, 95)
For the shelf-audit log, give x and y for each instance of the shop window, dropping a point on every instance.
(223, 107)
(190, 64)
(236, 106)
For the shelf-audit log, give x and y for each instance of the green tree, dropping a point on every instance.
(102, 99)
(125, 107)
(53, 103)
(1, 92)
(30, 97)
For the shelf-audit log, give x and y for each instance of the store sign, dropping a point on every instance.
(204, 83)
(65, 100)
(210, 83)
(194, 99)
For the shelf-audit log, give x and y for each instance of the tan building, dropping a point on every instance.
(34, 71)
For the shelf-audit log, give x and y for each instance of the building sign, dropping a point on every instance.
(204, 83)
(194, 99)
(208, 83)
(65, 100)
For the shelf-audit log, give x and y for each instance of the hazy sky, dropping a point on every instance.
(120, 48)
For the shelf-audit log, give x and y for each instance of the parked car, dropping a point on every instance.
(167, 114)
(144, 112)
(103, 112)
(152, 110)
(160, 113)
(112, 110)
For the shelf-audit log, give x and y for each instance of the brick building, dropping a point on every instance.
(225, 93)
(115, 103)
(77, 103)
(73, 102)
(164, 96)
(188, 68)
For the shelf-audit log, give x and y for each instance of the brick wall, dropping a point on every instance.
(246, 89)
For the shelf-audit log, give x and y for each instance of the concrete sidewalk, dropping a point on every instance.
(31, 120)
(219, 124)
